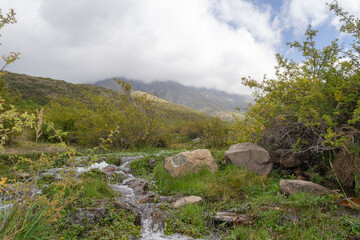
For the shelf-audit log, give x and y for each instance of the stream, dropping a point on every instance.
(134, 194)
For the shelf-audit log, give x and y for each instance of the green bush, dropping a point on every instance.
(312, 105)
(212, 132)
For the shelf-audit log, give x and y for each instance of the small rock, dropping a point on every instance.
(149, 198)
(142, 201)
(229, 218)
(196, 140)
(186, 200)
(110, 169)
(158, 220)
(139, 185)
(290, 187)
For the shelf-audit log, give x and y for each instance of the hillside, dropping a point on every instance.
(209, 101)
(36, 92)
(88, 113)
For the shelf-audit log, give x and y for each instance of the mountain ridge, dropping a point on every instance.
(209, 101)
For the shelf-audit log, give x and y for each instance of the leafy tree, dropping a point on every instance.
(131, 120)
(312, 105)
(211, 131)
(8, 18)
(140, 123)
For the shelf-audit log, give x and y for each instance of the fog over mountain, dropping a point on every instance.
(206, 100)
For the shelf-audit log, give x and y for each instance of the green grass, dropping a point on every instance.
(229, 183)
(116, 223)
(30, 220)
(271, 214)
(188, 220)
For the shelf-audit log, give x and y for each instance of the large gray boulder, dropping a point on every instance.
(290, 187)
(190, 162)
(249, 156)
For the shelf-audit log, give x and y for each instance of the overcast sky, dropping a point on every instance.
(204, 43)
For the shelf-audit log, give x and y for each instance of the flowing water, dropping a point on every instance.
(152, 219)
(151, 222)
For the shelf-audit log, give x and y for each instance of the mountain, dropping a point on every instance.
(29, 93)
(209, 101)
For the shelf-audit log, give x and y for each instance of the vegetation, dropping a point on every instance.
(8, 18)
(88, 113)
(269, 214)
(312, 106)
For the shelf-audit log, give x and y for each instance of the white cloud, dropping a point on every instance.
(298, 14)
(183, 40)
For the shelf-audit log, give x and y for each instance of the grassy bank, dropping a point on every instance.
(269, 213)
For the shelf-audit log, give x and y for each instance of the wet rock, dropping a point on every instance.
(158, 220)
(111, 169)
(229, 218)
(139, 185)
(152, 163)
(290, 187)
(150, 198)
(190, 162)
(186, 200)
(249, 156)
(142, 201)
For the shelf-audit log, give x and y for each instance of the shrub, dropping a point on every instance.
(212, 132)
(312, 105)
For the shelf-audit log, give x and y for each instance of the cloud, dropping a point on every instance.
(206, 43)
(298, 14)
